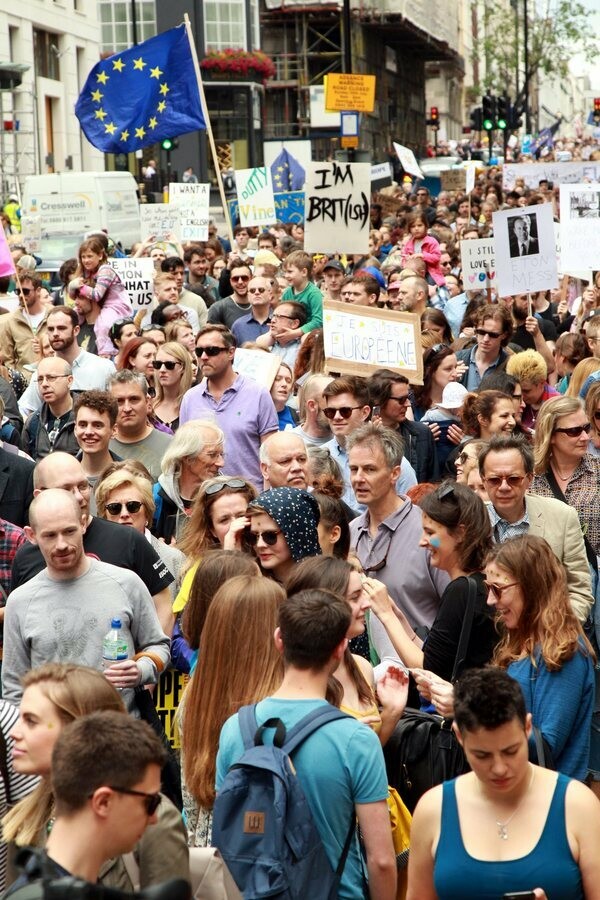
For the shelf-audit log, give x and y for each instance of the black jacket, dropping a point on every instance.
(419, 449)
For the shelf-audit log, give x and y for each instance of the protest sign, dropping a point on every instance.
(160, 221)
(525, 250)
(31, 231)
(471, 171)
(555, 172)
(478, 263)
(580, 227)
(255, 196)
(381, 175)
(169, 692)
(408, 160)
(289, 207)
(194, 202)
(337, 205)
(454, 180)
(360, 339)
(256, 364)
(138, 277)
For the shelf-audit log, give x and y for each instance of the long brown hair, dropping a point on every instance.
(96, 245)
(239, 664)
(198, 534)
(547, 620)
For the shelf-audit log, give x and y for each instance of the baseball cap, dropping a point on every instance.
(266, 258)
(453, 395)
(333, 264)
(374, 273)
(28, 263)
(394, 283)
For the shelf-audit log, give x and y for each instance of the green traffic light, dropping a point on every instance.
(488, 124)
(167, 144)
(502, 123)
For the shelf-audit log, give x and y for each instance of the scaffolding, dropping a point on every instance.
(18, 130)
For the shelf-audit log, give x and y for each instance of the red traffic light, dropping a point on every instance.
(434, 114)
(597, 103)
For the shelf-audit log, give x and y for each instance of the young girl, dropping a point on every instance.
(424, 245)
(95, 280)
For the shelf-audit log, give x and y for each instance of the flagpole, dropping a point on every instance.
(211, 140)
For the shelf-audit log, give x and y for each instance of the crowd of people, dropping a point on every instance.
(304, 539)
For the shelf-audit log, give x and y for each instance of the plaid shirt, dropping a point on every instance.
(503, 530)
(582, 493)
(11, 538)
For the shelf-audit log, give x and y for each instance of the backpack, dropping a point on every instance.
(262, 823)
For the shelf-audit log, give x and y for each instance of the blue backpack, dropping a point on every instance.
(262, 823)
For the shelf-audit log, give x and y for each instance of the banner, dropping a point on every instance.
(255, 196)
(525, 250)
(289, 207)
(193, 201)
(359, 340)
(579, 227)
(478, 263)
(138, 277)
(556, 172)
(337, 205)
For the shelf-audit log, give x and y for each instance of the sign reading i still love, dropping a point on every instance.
(478, 260)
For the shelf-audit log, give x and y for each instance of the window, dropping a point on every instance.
(117, 23)
(45, 54)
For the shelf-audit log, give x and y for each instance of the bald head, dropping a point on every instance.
(50, 504)
(57, 527)
(284, 461)
(61, 470)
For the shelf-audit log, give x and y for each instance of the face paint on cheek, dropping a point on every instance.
(434, 542)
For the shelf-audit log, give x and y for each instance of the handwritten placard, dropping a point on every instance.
(138, 277)
(454, 180)
(359, 340)
(525, 250)
(255, 196)
(337, 204)
(31, 231)
(408, 160)
(258, 365)
(193, 201)
(478, 262)
(160, 221)
(580, 227)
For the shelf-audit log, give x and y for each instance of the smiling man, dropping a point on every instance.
(95, 420)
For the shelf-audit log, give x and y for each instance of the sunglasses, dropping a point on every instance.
(24, 291)
(496, 590)
(235, 484)
(240, 278)
(169, 364)
(491, 334)
(257, 290)
(123, 322)
(269, 537)
(597, 416)
(511, 480)
(132, 506)
(209, 351)
(403, 401)
(152, 801)
(151, 327)
(575, 431)
(344, 411)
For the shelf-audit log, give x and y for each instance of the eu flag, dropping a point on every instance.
(288, 174)
(141, 96)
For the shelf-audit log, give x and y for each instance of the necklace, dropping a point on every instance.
(503, 826)
(562, 477)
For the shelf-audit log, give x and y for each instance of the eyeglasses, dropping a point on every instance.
(209, 351)
(132, 506)
(269, 537)
(491, 334)
(276, 316)
(344, 411)
(575, 431)
(257, 290)
(50, 378)
(496, 590)
(511, 480)
(169, 364)
(152, 801)
(24, 291)
(235, 484)
(463, 457)
(240, 278)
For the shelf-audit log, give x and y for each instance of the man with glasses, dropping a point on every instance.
(506, 469)
(19, 328)
(493, 329)
(242, 408)
(226, 311)
(287, 316)
(52, 428)
(256, 322)
(64, 612)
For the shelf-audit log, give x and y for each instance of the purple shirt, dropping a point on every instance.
(245, 412)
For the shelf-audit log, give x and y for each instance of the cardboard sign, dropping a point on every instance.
(337, 204)
(360, 339)
(160, 221)
(454, 180)
(345, 92)
(525, 250)
(478, 263)
(256, 364)
(557, 172)
(255, 196)
(138, 277)
(580, 227)
(194, 202)
(408, 160)
(289, 207)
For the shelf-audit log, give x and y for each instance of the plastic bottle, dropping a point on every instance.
(114, 645)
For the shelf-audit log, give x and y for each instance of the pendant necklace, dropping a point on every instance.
(503, 826)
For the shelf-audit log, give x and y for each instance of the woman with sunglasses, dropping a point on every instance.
(54, 695)
(172, 377)
(592, 408)
(283, 530)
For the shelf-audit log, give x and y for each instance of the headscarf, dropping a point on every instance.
(297, 515)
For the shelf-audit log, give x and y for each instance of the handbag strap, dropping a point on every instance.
(465, 631)
(589, 550)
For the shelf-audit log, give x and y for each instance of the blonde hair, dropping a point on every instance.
(179, 353)
(529, 365)
(581, 373)
(592, 401)
(123, 478)
(550, 412)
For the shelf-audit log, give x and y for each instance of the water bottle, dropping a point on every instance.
(114, 645)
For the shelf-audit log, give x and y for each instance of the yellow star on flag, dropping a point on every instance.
(119, 65)
(153, 122)
(161, 106)
(280, 169)
(155, 72)
(140, 132)
(139, 64)
(164, 89)
(110, 128)
(124, 135)
(97, 96)
(100, 114)
(102, 77)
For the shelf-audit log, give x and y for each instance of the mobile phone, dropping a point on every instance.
(519, 895)
(375, 411)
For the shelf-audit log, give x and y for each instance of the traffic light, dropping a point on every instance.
(488, 107)
(503, 117)
(476, 119)
(169, 144)
(596, 113)
(434, 115)
(515, 120)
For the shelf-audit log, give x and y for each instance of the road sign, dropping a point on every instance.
(349, 92)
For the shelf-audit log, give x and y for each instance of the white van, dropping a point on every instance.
(72, 203)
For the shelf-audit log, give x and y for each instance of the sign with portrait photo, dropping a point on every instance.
(579, 227)
(525, 250)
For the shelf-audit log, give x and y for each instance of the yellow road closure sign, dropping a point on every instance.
(354, 92)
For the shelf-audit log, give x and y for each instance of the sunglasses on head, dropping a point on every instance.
(132, 506)
(151, 327)
(209, 351)
(235, 484)
(344, 411)
(491, 334)
(169, 364)
(152, 801)
(575, 430)
(269, 537)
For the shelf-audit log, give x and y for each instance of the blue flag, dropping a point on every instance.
(545, 138)
(142, 95)
(288, 174)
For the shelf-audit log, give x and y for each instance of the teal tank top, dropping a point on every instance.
(550, 865)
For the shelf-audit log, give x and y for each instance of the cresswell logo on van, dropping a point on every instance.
(79, 201)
